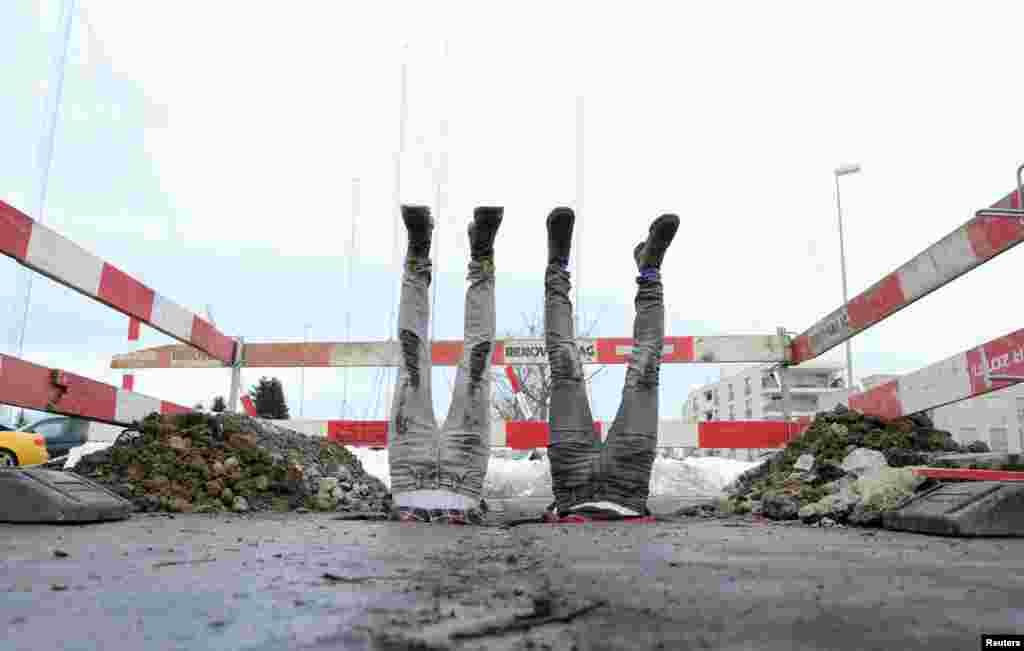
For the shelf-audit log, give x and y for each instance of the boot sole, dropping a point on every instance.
(662, 232)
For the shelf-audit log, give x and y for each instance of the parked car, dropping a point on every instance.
(21, 448)
(61, 433)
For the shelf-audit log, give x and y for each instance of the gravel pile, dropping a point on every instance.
(195, 462)
(846, 468)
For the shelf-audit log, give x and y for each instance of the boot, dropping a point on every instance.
(649, 253)
(560, 223)
(420, 226)
(483, 228)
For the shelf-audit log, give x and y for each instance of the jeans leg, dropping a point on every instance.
(628, 456)
(413, 444)
(573, 450)
(465, 438)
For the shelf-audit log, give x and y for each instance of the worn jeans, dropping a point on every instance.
(581, 470)
(454, 457)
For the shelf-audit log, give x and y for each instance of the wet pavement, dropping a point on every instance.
(308, 581)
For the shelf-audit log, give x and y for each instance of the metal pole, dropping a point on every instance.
(784, 385)
(842, 262)
(45, 161)
(576, 249)
(302, 381)
(236, 376)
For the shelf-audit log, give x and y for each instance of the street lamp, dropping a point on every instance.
(843, 170)
(302, 381)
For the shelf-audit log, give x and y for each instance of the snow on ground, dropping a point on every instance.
(77, 453)
(509, 477)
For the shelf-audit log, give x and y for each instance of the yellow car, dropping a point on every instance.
(22, 449)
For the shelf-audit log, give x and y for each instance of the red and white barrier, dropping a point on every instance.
(991, 366)
(969, 246)
(58, 258)
(31, 386)
(523, 435)
(508, 352)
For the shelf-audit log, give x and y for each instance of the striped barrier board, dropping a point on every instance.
(508, 352)
(994, 365)
(969, 474)
(46, 252)
(969, 246)
(31, 386)
(523, 435)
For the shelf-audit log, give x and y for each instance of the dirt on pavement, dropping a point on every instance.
(309, 581)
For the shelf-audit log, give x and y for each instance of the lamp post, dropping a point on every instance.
(302, 381)
(843, 170)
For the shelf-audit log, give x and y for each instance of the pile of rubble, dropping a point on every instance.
(195, 462)
(846, 468)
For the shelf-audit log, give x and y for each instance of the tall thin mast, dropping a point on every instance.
(440, 182)
(577, 249)
(352, 253)
(396, 253)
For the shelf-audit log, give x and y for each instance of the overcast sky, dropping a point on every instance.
(209, 150)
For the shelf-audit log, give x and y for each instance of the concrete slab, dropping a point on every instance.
(973, 508)
(37, 495)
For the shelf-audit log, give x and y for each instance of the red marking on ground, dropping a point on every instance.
(15, 231)
(360, 433)
(128, 382)
(966, 473)
(881, 401)
(876, 303)
(744, 434)
(446, 353)
(209, 340)
(124, 293)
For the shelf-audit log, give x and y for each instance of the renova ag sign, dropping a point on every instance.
(533, 351)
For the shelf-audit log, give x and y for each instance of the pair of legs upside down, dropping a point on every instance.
(437, 474)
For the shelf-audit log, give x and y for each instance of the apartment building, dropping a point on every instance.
(755, 393)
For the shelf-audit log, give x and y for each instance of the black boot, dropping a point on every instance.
(420, 227)
(483, 228)
(649, 253)
(560, 223)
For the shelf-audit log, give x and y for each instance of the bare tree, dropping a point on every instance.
(534, 379)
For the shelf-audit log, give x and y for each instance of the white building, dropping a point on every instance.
(754, 393)
(996, 418)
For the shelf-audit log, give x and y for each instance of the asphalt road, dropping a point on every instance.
(258, 582)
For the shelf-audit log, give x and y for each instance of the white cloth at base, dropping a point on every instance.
(608, 506)
(435, 499)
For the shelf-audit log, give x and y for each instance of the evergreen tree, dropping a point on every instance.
(218, 404)
(268, 397)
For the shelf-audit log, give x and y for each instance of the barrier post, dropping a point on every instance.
(784, 385)
(134, 328)
(236, 376)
